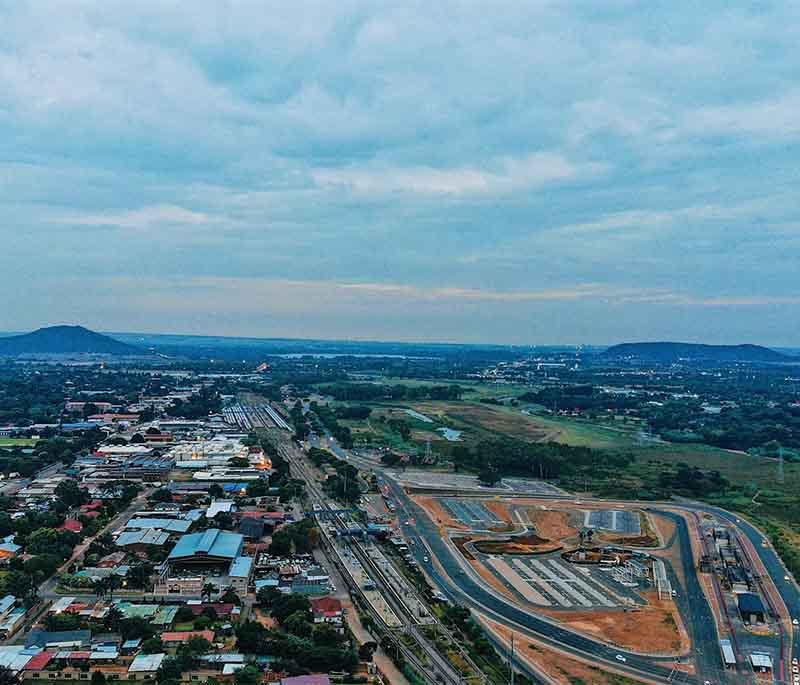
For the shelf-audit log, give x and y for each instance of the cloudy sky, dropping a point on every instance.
(529, 172)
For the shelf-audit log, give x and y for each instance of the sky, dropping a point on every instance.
(506, 172)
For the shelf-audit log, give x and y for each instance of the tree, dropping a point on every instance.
(161, 495)
(286, 605)
(70, 493)
(251, 637)
(216, 491)
(139, 575)
(366, 650)
(208, 590)
(184, 615)
(298, 624)
(153, 645)
(230, 597)
(249, 675)
(98, 678)
(239, 462)
(266, 596)
(196, 646)
(489, 475)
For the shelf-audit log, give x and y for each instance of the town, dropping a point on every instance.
(306, 520)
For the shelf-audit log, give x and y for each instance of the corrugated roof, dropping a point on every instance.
(146, 663)
(142, 537)
(38, 662)
(172, 525)
(240, 567)
(211, 543)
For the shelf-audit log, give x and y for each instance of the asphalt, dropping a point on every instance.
(460, 587)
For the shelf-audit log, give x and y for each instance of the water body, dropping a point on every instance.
(450, 435)
(419, 417)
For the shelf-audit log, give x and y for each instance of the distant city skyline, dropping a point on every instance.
(532, 173)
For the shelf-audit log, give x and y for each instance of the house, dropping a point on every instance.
(316, 679)
(327, 610)
(173, 639)
(72, 525)
(144, 665)
(239, 574)
(63, 638)
(252, 528)
(220, 506)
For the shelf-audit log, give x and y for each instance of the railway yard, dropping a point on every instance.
(654, 592)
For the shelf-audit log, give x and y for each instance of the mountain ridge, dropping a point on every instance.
(64, 340)
(673, 351)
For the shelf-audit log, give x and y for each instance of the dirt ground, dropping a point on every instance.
(490, 578)
(656, 628)
(553, 525)
(264, 619)
(525, 544)
(438, 513)
(501, 511)
(561, 668)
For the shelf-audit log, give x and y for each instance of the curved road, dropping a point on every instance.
(460, 586)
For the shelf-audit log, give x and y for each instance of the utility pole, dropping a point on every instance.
(511, 660)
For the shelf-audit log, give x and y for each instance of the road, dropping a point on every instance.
(461, 587)
(47, 589)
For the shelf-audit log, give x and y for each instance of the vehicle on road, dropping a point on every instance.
(621, 658)
(425, 559)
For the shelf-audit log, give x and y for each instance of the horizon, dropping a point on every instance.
(6, 333)
(403, 173)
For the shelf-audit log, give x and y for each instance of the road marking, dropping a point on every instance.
(518, 583)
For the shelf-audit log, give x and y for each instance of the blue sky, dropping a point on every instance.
(541, 172)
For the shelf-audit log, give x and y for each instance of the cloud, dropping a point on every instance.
(157, 216)
(511, 175)
(467, 164)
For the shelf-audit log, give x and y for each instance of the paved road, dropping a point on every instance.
(461, 587)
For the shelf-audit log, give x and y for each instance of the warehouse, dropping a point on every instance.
(751, 608)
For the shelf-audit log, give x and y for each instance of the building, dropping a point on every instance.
(60, 639)
(239, 573)
(751, 608)
(138, 540)
(210, 547)
(761, 663)
(174, 639)
(327, 610)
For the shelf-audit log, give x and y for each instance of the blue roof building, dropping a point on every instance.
(210, 546)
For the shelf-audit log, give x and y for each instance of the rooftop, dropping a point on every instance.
(212, 543)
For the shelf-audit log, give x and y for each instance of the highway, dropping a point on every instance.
(461, 587)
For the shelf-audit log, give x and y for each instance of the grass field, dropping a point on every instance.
(18, 442)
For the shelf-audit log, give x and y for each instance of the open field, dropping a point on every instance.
(18, 442)
(561, 668)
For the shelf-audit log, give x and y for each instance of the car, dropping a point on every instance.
(795, 622)
(425, 559)
(621, 658)
(795, 669)
(794, 661)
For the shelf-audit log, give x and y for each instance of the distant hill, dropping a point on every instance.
(667, 352)
(64, 340)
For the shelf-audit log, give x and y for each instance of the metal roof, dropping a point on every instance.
(146, 663)
(750, 603)
(760, 660)
(240, 567)
(211, 543)
(172, 525)
(142, 537)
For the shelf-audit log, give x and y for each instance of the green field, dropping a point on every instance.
(18, 442)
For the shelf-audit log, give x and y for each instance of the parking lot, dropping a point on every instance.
(553, 582)
(471, 512)
(627, 522)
